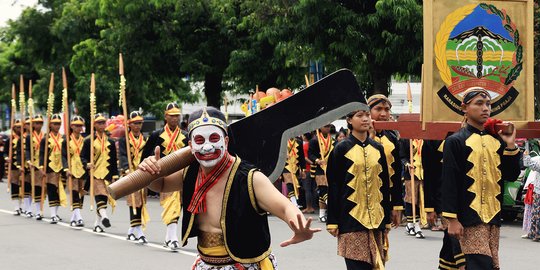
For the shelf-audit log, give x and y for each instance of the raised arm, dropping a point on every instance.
(269, 199)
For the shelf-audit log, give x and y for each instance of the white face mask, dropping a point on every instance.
(208, 145)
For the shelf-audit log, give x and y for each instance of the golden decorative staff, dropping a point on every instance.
(22, 106)
(11, 136)
(123, 104)
(50, 107)
(411, 157)
(65, 110)
(92, 116)
(32, 149)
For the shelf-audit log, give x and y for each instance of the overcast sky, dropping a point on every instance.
(11, 9)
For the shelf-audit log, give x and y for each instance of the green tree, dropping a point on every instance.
(376, 39)
(266, 55)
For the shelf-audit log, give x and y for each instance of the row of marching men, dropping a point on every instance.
(362, 195)
(52, 175)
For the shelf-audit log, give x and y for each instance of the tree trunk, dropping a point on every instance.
(380, 84)
(213, 88)
(380, 78)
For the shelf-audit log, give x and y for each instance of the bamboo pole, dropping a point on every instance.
(32, 146)
(123, 103)
(50, 107)
(22, 106)
(65, 110)
(12, 125)
(92, 132)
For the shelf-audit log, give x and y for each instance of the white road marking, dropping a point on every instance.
(114, 236)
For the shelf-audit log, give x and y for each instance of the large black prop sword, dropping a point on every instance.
(262, 137)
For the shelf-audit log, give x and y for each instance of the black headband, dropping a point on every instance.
(376, 102)
(469, 96)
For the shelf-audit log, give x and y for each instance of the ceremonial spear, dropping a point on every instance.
(123, 104)
(411, 156)
(50, 107)
(22, 106)
(65, 110)
(32, 153)
(11, 136)
(92, 116)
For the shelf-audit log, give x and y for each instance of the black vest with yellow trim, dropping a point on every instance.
(320, 149)
(19, 151)
(75, 149)
(295, 156)
(104, 160)
(475, 166)
(405, 155)
(136, 148)
(55, 160)
(167, 140)
(389, 139)
(358, 187)
(15, 155)
(37, 137)
(244, 226)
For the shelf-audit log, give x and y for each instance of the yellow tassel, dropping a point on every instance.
(145, 218)
(112, 202)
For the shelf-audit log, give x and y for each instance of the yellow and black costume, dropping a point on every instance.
(55, 163)
(475, 164)
(389, 139)
(22, 146)
(359, 200)
(294, 164)
(37, 137)
(320, 147)
(137, 216)
(15, 177)
(105, 171)
(423, 199)
(78, 172)
(105, 168)
(168, 140)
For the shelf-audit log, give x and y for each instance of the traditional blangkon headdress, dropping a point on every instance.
(472, 92)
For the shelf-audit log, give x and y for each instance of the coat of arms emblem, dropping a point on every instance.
(478, 45)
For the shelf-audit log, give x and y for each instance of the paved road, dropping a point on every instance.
(29, 244)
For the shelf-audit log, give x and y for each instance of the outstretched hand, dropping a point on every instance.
(301, 232)
(150, 164)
